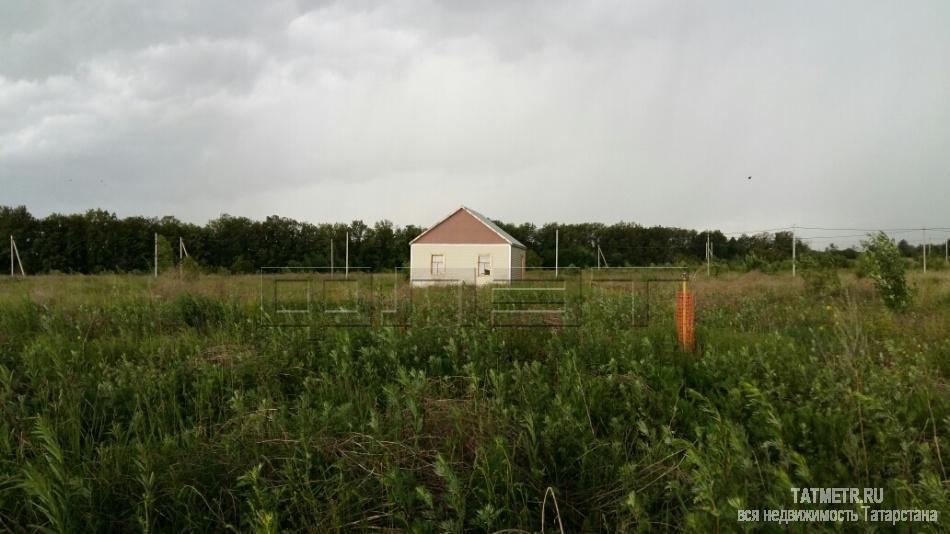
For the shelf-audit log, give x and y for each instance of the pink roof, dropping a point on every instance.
(464, 226)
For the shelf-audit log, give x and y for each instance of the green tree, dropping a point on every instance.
(166, 256)
(884, 265)
(820, 275)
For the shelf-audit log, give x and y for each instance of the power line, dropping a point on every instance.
(894, 230)
(827, 229)
(820, 237)
(830, 229)
(754, 232)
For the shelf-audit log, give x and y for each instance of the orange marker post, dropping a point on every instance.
(684, 318)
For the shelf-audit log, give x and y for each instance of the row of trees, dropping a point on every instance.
(99, 241)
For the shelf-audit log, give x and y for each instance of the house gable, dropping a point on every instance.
(461, 227)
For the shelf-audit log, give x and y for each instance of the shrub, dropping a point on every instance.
(820, 276)
(199, 311)
(190, 268)
(883, 263)
(754, 263)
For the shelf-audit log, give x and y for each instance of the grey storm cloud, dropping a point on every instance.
(654, 112)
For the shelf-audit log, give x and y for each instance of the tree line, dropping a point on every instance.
(98, 241)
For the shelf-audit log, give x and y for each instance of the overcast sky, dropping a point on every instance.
(650, 112)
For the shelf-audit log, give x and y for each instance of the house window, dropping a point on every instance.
(484, 264)
(437, 265)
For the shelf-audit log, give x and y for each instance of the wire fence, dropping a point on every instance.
(537, 297)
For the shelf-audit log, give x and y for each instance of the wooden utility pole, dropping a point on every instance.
(182, 254)
(556, 248)
(600, 256)
(156, 255)
(794, 252)
(16, 249)
(924, 230)
(15, 253)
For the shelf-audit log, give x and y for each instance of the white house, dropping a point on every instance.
(466, 246)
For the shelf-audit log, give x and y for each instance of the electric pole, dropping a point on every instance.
(793, 250)
(708, 253)
(15, 252)
(182, 254)
(924, 230)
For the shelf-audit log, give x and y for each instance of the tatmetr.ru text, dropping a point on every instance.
(838, 495)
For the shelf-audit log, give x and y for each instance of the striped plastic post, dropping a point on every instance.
(684, 319)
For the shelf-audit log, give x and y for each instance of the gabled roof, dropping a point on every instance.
(485, 220)
(480, 218)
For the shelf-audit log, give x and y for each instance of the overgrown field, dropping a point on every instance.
(130, 404)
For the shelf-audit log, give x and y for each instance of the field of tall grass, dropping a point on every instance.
(136, 404)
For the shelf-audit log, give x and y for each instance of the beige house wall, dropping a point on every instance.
(461, 261)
